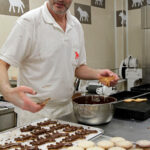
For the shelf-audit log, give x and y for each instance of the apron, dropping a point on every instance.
(51, 111)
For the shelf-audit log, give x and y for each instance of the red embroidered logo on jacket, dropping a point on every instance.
(76, 55)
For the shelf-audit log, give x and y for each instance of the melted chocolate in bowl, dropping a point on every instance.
(93, 109)
(93, 100)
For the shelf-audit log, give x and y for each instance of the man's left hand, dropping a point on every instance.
(106, 73)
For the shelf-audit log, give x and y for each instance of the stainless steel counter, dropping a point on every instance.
(129, 129)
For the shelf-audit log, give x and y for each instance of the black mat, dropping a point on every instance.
(132, 110)
(141, 88)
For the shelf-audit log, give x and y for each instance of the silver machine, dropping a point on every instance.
(93, 87)
(129, 70)
(8, 117)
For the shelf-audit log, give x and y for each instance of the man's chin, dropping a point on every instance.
(58, 12)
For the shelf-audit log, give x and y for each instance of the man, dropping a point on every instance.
(47, 45)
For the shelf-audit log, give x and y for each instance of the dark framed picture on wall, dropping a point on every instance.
(135, 4)
(14, 7)
(83, 13)
(98, 3)
(121, 18)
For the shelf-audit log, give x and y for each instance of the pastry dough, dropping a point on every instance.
(143, 143)
(128, 100)
(140, 100)
(43, 103)
(105, 144)
(124, 144)
(135, 100)
(116, 148)
(75, 148)
(107, 80)
(95, 148)
(86, 144)
(116, 139)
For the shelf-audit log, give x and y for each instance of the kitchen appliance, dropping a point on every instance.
(132, 110)
(93, 87)
(8, 118)
(93, 109)
(100, 89)
(128, 70)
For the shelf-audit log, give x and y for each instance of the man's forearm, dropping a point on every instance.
(16, 95)
(86, 73)
(4, 80)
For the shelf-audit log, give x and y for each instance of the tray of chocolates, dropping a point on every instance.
(47, 134)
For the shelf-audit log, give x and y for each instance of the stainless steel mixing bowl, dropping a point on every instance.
(93, 110)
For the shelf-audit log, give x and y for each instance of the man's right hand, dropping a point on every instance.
(18, 96)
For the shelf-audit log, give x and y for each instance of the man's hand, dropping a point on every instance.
(104, 74)
(86, 73)
(18, 97)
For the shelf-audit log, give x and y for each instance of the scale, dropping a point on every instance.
(129, 70)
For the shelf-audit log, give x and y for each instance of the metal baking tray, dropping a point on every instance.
(10, 135)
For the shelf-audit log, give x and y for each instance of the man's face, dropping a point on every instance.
(60, 6)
